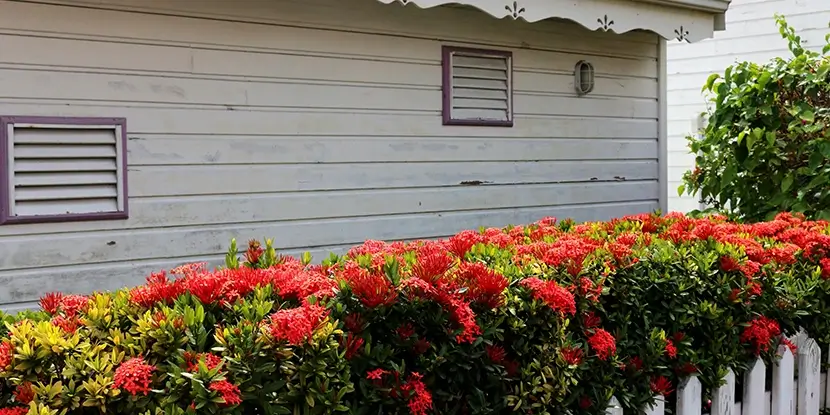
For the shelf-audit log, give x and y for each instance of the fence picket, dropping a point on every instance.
(723, 398)
(753, 400)
(827, 385)
(689, 399)
(783, 382)
(809, 372)
(614, 407)
(658, 408)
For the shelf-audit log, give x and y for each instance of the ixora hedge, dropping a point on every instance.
(548, 318)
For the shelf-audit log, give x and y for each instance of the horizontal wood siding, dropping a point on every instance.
(318, 123)
(751, 35)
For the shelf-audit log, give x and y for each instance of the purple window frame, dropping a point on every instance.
(446, 85)
(5, 191)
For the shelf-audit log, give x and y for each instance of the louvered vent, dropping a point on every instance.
(478, 87)
(65, 170)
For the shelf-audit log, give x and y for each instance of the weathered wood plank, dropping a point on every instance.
(241, 93)
(17, 254)
(281, 26)
(809, 367)
(614, 407)
(689, 395)
(150, 149)
(783, 382)
(753, 397)
(196, 180)
(658, 408)
(171, 120)
(723, 398)
(825, 385)
(224, 209)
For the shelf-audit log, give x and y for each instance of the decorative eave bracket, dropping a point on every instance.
(683, 20)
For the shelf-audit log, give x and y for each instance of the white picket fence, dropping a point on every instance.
(802, 392)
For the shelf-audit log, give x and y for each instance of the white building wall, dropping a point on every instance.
(751, 35)
(316, 122)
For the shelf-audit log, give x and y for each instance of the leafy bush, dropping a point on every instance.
(545, 319)
(767, 143)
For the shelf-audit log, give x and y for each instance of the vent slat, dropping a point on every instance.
(469, 73)
(479, 114)
(61, 165)
(25, 193)
(63, 207)
(65, 179)
(487, 62)
(475, 93)
(480, 86)
(63, 136)
(485, 104)
(474, 83)
(46, 151)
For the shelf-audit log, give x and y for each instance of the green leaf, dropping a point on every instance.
(710, 81)
(787, 182)
(681, 189)
(816, 158)
(808, 116)
(729, 174)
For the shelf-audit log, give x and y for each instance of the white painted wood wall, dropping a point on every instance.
(751, 35)
(316, 122)
(798, 388)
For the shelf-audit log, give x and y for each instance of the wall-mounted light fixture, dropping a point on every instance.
(583, 78)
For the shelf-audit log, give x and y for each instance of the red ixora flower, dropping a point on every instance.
(228, 391)
(760, 334)
(211, 361)
(603, 344)
(352, 344)
(6, 354)
(134, 376)
(661, 385)
(376, 374)
(496, 354)
(671, 349)
(420, 399)
(296, 325)
(372, 289)
(22, 410)
(572, 355)
(486, 286)
(557, 298)
(585, 402)
(24, 393)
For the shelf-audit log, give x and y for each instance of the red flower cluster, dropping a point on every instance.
(558, 298)
(760, 334)
(373, 289)
(227, 391)
(6, 354)
(134, 376)
(572, 355)
(210, 360)
(290, 278)
(420, 399)
(69, 305)
(603, 344)
(24, 393)
(661, 385)
(297, 325)
(22, 410)
(485, 286)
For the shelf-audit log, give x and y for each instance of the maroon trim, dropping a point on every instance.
(446, 86)
(5, 200)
